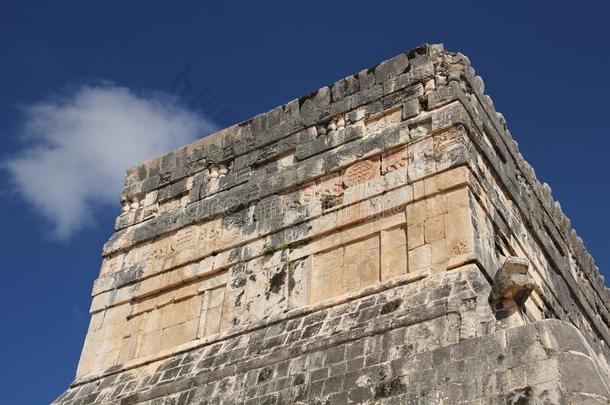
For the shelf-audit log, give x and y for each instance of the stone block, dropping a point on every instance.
(579, 375)
(326, 277)
(416, 213)
(459, 234)
(393, 253)
(416, 235)
(434, 229)
(420, 258)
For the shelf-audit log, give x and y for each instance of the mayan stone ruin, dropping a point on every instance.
(380, 240)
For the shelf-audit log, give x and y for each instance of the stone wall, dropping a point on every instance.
(380, 239)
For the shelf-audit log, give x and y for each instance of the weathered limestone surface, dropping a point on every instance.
(380, 240)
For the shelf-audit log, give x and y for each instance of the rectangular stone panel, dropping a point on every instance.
(393, 253)
(211, 312)
(361, 264)
(326, 279)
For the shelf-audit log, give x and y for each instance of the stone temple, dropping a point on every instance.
(380, 240)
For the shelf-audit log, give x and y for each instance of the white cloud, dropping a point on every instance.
(78, 146)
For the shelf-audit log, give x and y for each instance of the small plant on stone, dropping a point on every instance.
(269, 250)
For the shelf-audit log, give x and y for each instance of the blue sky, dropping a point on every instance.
(545, 65)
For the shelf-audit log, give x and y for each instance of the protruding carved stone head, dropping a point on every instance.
(512, 286)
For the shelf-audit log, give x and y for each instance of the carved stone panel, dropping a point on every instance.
(395, 160)
(361, 171)
(384, 120)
